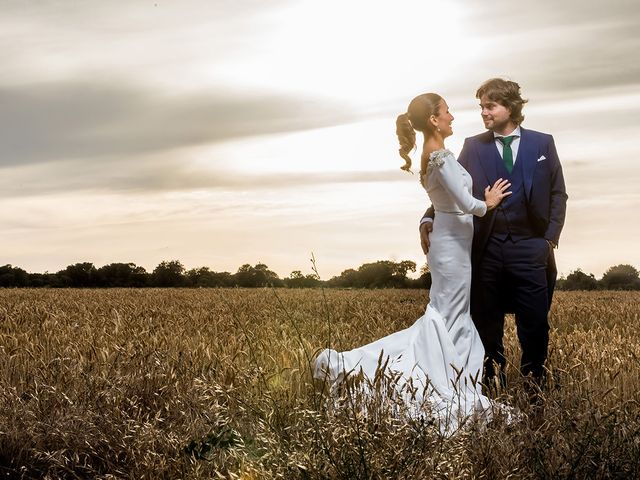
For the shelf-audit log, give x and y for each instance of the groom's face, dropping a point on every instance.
(494, 115)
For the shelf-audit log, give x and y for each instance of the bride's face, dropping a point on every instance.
(443, 120)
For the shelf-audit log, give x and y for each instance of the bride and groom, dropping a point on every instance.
(487, 258)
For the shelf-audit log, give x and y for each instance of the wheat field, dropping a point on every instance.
(215, 383)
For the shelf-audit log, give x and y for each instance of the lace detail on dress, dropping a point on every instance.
(436, 158)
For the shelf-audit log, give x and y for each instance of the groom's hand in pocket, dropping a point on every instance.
(425, 229)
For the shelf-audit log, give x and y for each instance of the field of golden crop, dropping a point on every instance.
(215, 384)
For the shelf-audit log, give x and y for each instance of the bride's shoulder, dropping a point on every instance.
(438, 157)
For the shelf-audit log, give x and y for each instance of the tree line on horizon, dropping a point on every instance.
(380, 274)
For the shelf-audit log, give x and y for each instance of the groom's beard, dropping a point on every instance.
(494, 125)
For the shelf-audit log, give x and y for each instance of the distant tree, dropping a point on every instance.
(204, 277)
(168, 274)
(296, 274)
(385, 274)
(312, 280)
(38, 280)
(621, 277)
(78, 275)
(578, 280)
(199, 277)
(11, 276)
(245, 276)
(257, 276)
(425, 277)
(347, 279)
(374, 275)
(122, 275)
(45, 279)
(298, 280)
(295, 279)
(223, 279)
(402, 268)
(380, 274)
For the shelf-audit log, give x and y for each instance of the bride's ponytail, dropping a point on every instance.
(407, 138)
(416, 119)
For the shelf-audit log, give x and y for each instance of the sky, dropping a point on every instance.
(220, 133)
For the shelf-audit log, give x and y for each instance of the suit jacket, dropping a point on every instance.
(546, 197)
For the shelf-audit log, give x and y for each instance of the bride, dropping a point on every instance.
(438, 360)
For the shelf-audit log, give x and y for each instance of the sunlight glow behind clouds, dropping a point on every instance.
(356, 50)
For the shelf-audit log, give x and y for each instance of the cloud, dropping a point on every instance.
(568, 65)
(500, 16)
(551, 47)
(88, 120)
(155, 174)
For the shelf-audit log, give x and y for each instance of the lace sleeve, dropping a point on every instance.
(443, 163)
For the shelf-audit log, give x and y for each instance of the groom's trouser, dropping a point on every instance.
(511, 277)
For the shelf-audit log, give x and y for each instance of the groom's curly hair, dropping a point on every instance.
(507, 94)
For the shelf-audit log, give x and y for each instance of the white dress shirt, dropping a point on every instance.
(515, 143)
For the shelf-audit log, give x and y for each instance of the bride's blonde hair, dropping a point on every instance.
(416, 118)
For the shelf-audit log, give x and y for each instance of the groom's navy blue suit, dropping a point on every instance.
(513, 264)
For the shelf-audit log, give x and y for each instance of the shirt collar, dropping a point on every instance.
(515, 133)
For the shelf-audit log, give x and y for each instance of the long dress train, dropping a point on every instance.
(440, 355)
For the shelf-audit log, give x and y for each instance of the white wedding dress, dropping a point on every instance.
(438, 359)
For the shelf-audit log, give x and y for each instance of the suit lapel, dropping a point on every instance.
(488, 153)
(527, 155)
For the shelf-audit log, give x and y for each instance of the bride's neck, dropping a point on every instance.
(431, 144)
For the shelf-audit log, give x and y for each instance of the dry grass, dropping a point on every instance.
(216, 383)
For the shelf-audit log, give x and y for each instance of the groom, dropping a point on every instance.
(512, 254)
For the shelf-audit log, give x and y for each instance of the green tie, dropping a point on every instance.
(507, 153)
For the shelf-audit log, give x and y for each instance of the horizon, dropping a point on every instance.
(411, 275)
(223, 133)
